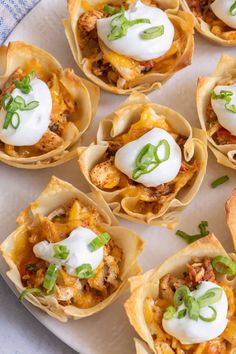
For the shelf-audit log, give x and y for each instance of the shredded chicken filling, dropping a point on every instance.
(107, 177)
(117, 69)
(62, 107)
(197, 271)
(69, 290)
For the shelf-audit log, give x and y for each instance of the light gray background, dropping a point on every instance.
(20, 332)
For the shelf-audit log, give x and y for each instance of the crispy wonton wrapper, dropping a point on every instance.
(147, 285)
(179, 56)
(56, 194)
(86, 95)
(204, 28)
(225, 71)
(119, 122)
(230, 208)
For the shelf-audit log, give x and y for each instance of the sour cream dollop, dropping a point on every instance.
(132, 45)
(226, 118)
(188, 331)
(221, 9)
(125, 158)
(33, 123)
(79, 252)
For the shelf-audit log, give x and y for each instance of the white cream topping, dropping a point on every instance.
(126, 156)
(226, 118)
(132, 45)
(221, 9)
(77, 244)
(33, 123)
(188, 331)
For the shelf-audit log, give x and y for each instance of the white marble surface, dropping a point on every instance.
(20, 332)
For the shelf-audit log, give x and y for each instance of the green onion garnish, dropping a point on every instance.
(209, 319)
(61, 251)
(182, 313)
(193, 307)
(224, 265)
(181, 293)
(192, 238)
(226, 96)
(169, 313)
(111, 10)
(27, 291)
(84, 271)
(120, 24)
(50, 277)
(11, 106)
(99, 241)
(148, 159)
(152, 32)
(219, 181)
(210, 297)
(232, 9)
(24, 84)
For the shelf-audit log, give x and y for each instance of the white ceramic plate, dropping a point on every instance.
(109, 331)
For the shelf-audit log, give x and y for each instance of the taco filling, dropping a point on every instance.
(221, 113)
(196, 312)
(70, 256)
(35, 109)
(146, 162)
(218, 14)
(125, 42)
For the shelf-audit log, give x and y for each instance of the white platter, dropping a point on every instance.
(109, 332)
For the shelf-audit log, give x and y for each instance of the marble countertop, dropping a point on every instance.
(21, 333)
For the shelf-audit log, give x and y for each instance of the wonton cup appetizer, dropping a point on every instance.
(144, 46)
(44, 109)
(147, 162)
(188, 304)
(230, 208)
(69, 257)
(215, 19)
(216, 105)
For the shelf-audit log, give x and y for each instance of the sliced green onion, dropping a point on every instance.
(166, 145)
(169, 313)
(24, 84)
(85, 271)
(139, 20)
(209, 319)
(231, 108)
(192, 307)
(111, 10)
(6, 100)
(182, 313)
(61, 251)
(148, 159)
(99, 241)
(192, 238)
(50, 277)
(27, 291)
(232, 9)
(19, 101)
(181, 293)
(224, 265)
(7, 120)
(219, 181)
(210, 297)
(152, 32)
(224, 95)
(15, 114)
